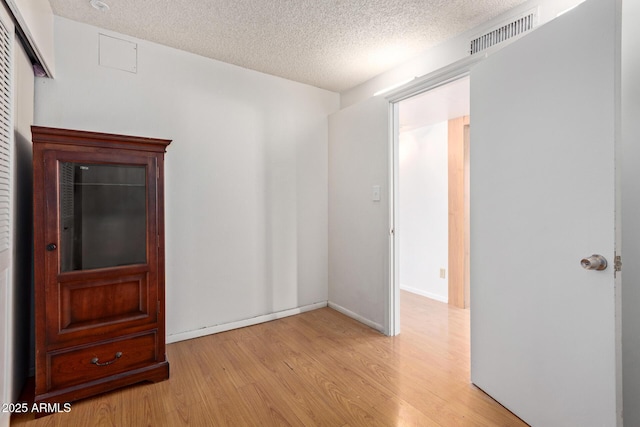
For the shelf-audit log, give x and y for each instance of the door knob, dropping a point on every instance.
(51, 247)
(594, 262)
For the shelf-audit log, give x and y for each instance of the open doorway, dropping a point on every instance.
(432, 193)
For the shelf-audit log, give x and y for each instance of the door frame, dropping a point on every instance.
(433, 80)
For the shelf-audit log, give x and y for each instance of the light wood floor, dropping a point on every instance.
(315, 369)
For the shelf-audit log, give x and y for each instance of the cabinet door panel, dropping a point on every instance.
(100, 210)
(102, 263)
(96, 303)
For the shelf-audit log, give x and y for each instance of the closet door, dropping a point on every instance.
(6, 208)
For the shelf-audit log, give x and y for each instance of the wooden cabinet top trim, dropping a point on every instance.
(60, 136)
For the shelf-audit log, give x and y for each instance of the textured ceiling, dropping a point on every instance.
(332, 44)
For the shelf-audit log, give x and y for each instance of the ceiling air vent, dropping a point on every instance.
(503, 32)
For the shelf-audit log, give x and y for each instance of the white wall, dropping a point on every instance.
(246, 173)
(423, 227)
(630, 158)
(358, 225)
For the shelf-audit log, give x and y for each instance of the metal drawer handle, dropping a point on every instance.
(95, 360)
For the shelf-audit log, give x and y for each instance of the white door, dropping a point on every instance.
(544, 339)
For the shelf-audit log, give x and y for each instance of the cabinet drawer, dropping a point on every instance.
(82, 364)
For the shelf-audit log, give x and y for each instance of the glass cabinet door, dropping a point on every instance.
(102, 215)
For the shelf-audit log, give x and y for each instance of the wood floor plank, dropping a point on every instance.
(319, 368)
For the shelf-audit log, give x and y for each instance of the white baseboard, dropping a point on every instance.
(357, 317)
(242, 323)
(424, 293)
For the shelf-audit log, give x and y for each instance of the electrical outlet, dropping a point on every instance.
(443, 273)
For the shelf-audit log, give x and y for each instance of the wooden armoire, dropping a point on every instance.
(98, 262)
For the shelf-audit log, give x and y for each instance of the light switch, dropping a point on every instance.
(375, 193)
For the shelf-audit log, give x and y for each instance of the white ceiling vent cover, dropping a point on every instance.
(505, 31)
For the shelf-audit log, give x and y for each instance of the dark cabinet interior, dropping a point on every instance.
(102, 215)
